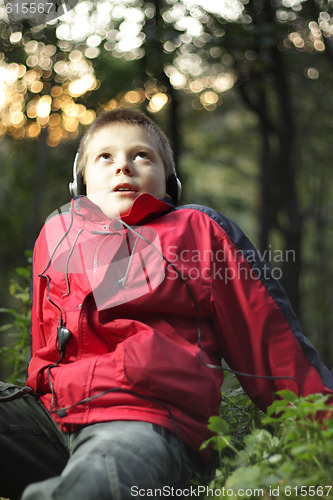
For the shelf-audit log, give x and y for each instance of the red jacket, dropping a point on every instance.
(151, 302)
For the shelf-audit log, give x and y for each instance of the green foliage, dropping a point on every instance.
(17, 329)
(287, 453)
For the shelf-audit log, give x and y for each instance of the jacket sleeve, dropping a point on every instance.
(257, 329)
(46, 313)
(38, 336)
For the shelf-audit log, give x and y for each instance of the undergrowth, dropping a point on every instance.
(16, 330)
(286, 453)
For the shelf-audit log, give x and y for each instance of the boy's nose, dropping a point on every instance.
(124, 168)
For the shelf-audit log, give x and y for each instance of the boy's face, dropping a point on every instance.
(123, 161)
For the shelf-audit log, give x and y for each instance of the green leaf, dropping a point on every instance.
(218, 425)
(299, 450)
(287, 395)
(23, 271)
(244, 478)
(8, 311)
(273, 459)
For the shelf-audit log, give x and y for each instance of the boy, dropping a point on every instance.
(135, 302)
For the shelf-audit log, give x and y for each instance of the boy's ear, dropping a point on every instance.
(174, 188)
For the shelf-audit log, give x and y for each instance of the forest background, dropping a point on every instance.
(242, 88)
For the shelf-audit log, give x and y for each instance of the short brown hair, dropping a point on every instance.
(131, 117)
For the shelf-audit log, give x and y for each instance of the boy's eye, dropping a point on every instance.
(142, 154)
(104, 157)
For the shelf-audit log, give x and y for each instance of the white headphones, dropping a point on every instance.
(77, 186)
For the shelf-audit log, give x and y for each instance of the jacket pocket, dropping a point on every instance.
(159, 367)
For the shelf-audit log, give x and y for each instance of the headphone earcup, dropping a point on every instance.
(174, 188)
(78, 186)
(81, 187)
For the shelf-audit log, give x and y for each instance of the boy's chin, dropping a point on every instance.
(112, 207)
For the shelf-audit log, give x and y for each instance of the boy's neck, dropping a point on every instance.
(144, 208)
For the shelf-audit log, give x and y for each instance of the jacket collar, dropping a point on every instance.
(144, 209)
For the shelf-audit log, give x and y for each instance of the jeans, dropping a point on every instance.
(117, 460)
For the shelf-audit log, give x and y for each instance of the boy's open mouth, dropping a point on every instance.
(124, 187)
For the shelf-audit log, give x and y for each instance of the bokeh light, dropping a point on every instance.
(45, 90)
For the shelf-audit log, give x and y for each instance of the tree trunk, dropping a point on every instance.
(279, 208)
(153, 64)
